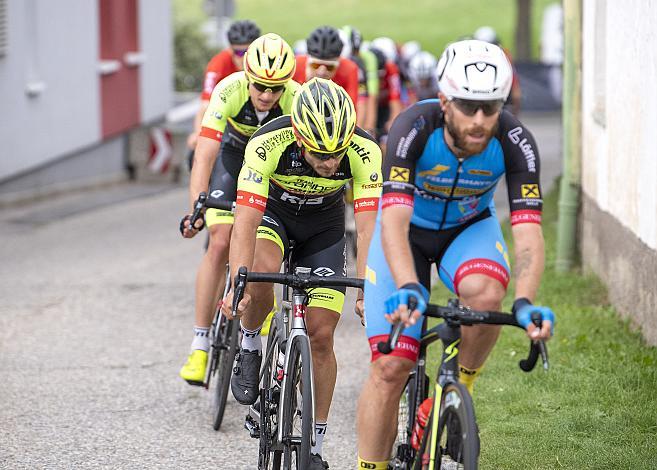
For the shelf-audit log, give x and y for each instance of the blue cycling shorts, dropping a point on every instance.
(477, 247)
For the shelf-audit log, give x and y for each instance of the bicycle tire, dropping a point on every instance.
(224, 348)
(410, 400)
(458, 438)
(269, 459)
(299, 375)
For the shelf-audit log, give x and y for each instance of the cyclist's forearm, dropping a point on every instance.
(243, 240)
(204, 158)
(365, 222)
(529, 259)
(394, 239)
(370, 116)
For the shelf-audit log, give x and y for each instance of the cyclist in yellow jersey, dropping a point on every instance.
(291, 189)
(239, 105)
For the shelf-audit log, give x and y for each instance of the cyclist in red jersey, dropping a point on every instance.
(390, 104)
(240, 35)
(324, 61)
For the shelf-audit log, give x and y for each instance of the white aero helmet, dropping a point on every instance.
(486, 33)
(474, 70)
(422, 66)
(409, 50)
(387, 46)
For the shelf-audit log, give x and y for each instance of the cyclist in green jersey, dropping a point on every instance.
(239, 105)
(291, 189)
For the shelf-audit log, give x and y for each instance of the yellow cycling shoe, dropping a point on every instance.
(194, 369)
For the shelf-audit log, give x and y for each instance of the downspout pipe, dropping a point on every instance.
(569, 191)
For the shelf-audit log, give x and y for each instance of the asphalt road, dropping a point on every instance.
(95, 320)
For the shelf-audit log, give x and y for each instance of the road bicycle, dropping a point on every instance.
(224, 333)
(450, 439)
(283, 418)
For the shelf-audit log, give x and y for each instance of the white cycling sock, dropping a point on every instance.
(251, 339)
(320, 432)
(201, 338)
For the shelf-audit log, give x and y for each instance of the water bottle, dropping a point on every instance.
(423, 412)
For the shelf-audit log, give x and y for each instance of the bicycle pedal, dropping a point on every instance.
(252, 426)
(196, 383)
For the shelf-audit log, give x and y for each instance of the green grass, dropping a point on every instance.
(433, 23)
(597, 406)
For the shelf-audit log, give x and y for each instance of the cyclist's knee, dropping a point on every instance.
(482, 292)
(321, 339)
(391, 371)
(219, 243)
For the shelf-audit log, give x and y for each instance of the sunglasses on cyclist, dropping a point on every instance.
(263, 88)
(328, 156)
(239, 52)
(331, 65)
(470, 107)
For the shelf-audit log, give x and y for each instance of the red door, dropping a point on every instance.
(119, 81)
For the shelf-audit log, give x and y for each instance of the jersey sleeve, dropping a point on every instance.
(350, 78)
(408, 135)
(365, 162)
(394, 81)
(260, 161)
(225, 98)
(372, 73)
(522, 164)
(216, 70)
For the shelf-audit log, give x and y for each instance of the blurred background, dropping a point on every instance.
(104, 91)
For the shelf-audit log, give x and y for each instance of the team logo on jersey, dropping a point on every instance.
(260, 152)
(530, 191)
(398, 173)
(374, 177)
(435, 171)
(253, 176)
(480, 172)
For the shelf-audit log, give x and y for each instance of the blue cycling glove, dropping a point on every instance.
(523, 309)
(401, 296)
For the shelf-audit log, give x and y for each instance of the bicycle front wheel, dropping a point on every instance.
(270, 454)
(224, 348)
(297, 403)
(458, 438)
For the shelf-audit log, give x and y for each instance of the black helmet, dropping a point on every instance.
(243, 32)
(380, 58)
(324, 43)
(356, 38)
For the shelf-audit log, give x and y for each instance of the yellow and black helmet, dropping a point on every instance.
(323, 116)
(269, 60)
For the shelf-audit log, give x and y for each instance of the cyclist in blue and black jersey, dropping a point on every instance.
(444, 159)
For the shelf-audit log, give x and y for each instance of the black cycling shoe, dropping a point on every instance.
(246, 372)
(316, 462)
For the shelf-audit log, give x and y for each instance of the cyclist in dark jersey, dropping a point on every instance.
(240, 104)
(443, 163)
(291, 188)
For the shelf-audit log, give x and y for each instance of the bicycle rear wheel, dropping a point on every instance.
(224, 348)
(297, 419)
(458, 439)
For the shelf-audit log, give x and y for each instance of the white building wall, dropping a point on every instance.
(619, 122)
(156, 42)
(51, 46)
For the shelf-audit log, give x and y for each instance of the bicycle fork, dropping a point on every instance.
(297, 333)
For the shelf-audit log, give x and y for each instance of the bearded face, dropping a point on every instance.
(469, 134)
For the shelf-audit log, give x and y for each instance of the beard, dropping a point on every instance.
(464, 148)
